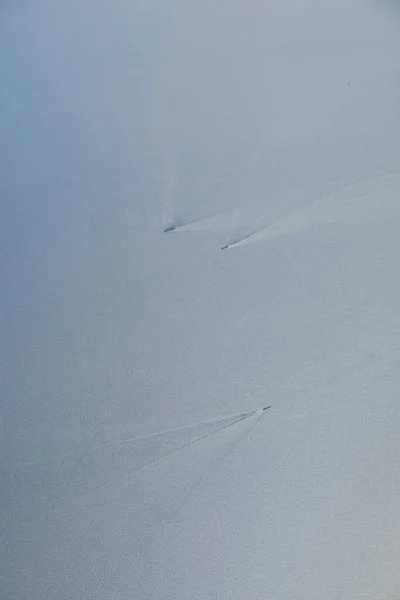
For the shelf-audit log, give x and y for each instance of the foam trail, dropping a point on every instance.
(187, 444)
(82, 453)
(62, 482)
(182, 225)
(237, 242)
(126, 476)
(217, 222)
(241, 417)
(308, 209)
(81, 473)
(217, 463)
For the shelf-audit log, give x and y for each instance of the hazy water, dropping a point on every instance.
(118, 120)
